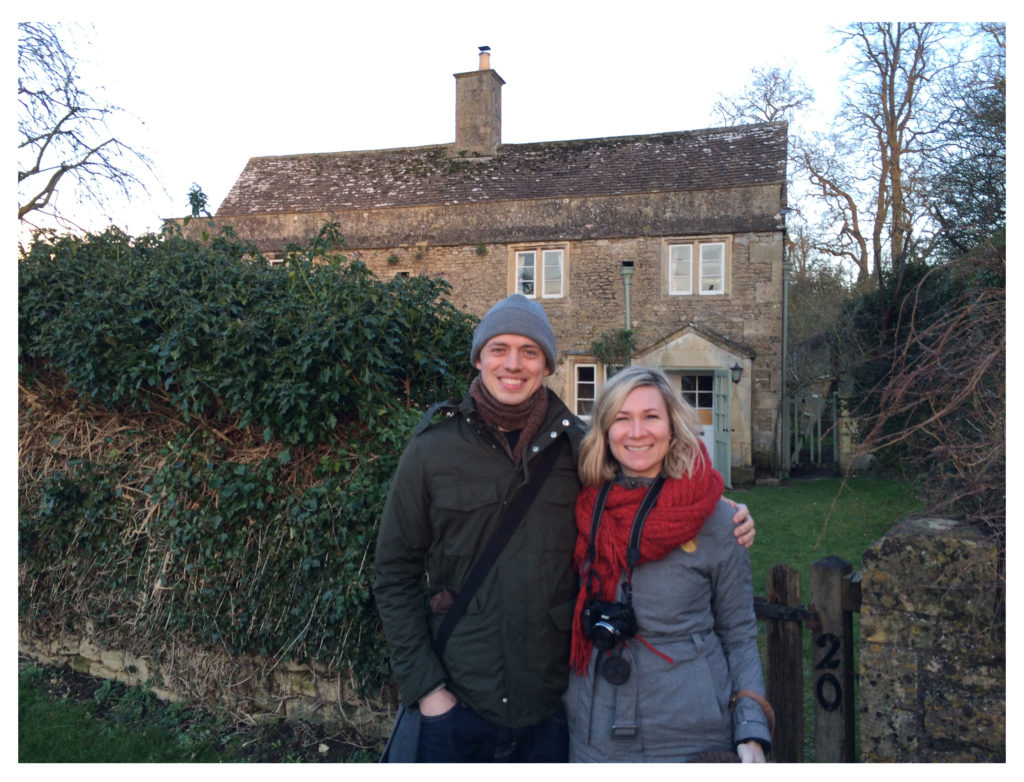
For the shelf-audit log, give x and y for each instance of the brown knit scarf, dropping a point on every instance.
(526, 417)
(678, 516)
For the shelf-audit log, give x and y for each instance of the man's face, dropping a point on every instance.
(512, 368)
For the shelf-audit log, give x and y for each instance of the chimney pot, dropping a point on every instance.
(485, 58)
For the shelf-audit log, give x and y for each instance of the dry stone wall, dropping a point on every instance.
(250, 687)
(932, 654)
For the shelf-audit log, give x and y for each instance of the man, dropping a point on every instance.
(497, 693)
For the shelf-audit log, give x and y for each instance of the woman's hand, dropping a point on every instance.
(437, 703)
(750, 752)
(744, 522)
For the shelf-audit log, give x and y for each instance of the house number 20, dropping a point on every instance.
(828, 690)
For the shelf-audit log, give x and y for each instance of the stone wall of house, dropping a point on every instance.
(932, 653)
(595, 303)
(250, 687)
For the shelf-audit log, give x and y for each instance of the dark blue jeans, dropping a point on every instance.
(463, 736)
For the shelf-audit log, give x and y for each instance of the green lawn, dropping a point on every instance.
(800, 522)
(115, 725)
(67, 717)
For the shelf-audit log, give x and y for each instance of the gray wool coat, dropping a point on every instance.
(696, 608)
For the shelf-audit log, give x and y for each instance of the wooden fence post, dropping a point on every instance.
(833, 662)
(785, 675)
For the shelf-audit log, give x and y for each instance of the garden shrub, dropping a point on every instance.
(207, 440)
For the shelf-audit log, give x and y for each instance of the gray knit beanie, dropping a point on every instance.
(516, 314)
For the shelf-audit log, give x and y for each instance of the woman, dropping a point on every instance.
(664, 636)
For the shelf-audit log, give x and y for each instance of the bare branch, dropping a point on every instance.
(773, 95)
(65, 143)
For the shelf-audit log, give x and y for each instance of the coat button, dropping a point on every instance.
(554, 435)
(536, 448)
(565, 422)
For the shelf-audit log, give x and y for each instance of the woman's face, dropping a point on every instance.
(640, 433)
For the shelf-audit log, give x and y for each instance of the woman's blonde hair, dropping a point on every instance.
(684, 452)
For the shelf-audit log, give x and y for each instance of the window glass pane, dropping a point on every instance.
(586, 389)
(552, 273)
(712, 252)
(680, 258)
(525, 263)
(712, 268)
(697, 390)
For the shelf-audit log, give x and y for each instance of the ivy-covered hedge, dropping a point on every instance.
(206, 440)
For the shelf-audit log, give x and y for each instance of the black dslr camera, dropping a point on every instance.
(606, 623)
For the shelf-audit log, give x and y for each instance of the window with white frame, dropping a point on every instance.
(586, 390)
(699, 267)
(680, 269)
(540, 270)
(712, 268)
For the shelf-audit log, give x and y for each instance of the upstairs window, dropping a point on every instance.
(680, 269)
(540, 270)
(698, 267)
(712, 268)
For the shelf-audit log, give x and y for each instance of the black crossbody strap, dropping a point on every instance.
(516, 510)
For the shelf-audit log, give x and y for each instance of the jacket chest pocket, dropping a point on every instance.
(459, 515)
(453, 504)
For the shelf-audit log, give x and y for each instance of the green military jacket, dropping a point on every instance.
(508, 656)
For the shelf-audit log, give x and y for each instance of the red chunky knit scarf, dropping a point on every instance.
(680, 512)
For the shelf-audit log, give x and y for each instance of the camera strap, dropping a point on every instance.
(633, 548)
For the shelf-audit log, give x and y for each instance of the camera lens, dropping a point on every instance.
(603, 635)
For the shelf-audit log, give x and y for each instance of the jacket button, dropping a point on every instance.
(565, 422)
(554, 435)
(536, 448)
(504, 699)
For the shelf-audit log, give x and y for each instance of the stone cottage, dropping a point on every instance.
(677, 237)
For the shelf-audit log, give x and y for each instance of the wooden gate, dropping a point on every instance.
(829, 619)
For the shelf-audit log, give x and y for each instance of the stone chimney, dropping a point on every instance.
(478, 109)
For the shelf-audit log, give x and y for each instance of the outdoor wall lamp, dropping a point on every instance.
(737, 372)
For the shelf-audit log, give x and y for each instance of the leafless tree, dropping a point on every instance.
(773, 95)
(867, 172)
(65, 142)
